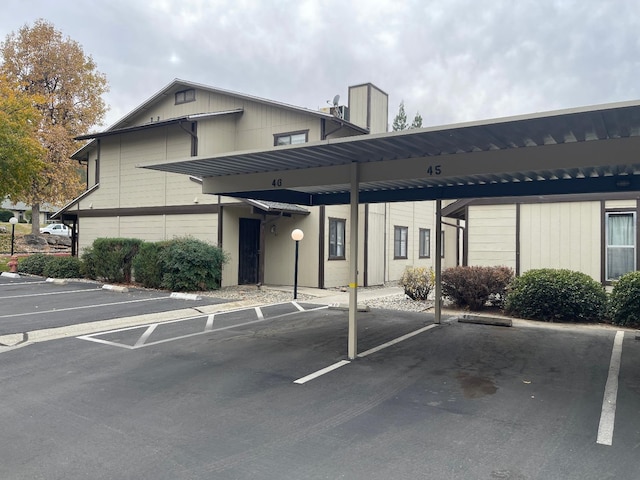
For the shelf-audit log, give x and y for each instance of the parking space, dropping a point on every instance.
(30, 303)
(266, 392)
(147, 335)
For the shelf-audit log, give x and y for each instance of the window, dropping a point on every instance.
(425, 242)
(621, 243)
(185, 96)
(336, 238)
(400, 242)
(293, 138)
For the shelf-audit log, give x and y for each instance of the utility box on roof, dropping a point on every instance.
(369, 107)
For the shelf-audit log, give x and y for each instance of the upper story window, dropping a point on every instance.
(185, 96)
(621, 244)
(293, 138)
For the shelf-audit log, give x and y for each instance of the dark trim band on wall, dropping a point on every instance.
(517, 239)
(365, 266)
(603, 242)
(145, 211)
(321, 245)
(465, 238)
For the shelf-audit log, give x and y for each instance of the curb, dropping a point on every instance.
(56, 281)
(115, 288)
(9, 275)
(185, 296)
(345, 307)
(499, 322)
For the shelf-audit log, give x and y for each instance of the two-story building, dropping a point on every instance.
(188, 119)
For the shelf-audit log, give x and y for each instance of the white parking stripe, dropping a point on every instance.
(259, 313)
(80, 308)
(209, 326)
(50, 293)
(144, 337)
(608, 415)
(396, 340)
(319, 373)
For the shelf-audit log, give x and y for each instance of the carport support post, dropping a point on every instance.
(353, 265)
(438, 255)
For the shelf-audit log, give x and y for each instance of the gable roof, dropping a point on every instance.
(123, 125)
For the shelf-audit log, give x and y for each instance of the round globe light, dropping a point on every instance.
(13, 220)
(297, 235)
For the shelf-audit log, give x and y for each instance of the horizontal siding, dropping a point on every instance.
(561, 235)
(492, 235)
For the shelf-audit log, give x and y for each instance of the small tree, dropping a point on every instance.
(400, 120)
(40, 61)
(20, 152)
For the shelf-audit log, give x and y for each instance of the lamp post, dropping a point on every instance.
(13, 221)
(296, 235)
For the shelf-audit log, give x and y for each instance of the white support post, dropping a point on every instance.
(353, 264)
(438, 254)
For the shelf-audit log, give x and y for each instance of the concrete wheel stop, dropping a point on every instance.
(480, 320)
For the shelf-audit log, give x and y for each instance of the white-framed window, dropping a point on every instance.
(292, 138)
(620, 244)
(400, 235)
(425, 242)
(185, 96)
(336, 238)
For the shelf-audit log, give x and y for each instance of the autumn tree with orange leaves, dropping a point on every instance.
(20, 152)
(44, 64)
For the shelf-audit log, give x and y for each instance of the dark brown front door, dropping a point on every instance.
(249, 257)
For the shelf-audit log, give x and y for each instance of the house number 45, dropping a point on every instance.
(434, 170)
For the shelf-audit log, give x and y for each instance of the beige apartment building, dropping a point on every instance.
(591, 233)
(185, 120)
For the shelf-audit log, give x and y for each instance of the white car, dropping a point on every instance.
(56, 229)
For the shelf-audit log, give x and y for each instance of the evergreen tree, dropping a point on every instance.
(400, 120)
(417, 121)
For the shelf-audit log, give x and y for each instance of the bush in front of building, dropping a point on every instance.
(556, 295)
(188, 264)
(34, 264)
(417, 282)
(5, 215)
(110, 259)
(473, 287)
(147, 268)
(624, 302)
(62, 267)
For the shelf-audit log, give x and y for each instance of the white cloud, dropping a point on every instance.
(453, 61)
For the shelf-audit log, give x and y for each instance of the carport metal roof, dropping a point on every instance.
(581, 150)
(569, 151)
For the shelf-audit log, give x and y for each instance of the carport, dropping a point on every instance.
(580, 150)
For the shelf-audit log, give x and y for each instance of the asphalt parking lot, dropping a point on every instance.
(267, 393)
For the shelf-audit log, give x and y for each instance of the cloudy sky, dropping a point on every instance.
(451, 60)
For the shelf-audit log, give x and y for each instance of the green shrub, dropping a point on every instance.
(625, 300)
(417, 282)
(147, 269)
(88, 264)
(111, 259)
(190, 265)
(474, 286)
(5, 215)
(556, 294)
(62, 267)
(34, 264)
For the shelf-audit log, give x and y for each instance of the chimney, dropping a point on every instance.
(369, 107)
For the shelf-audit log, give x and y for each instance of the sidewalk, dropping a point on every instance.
(334, 296)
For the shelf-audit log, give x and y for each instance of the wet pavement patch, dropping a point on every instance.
(474, 386)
